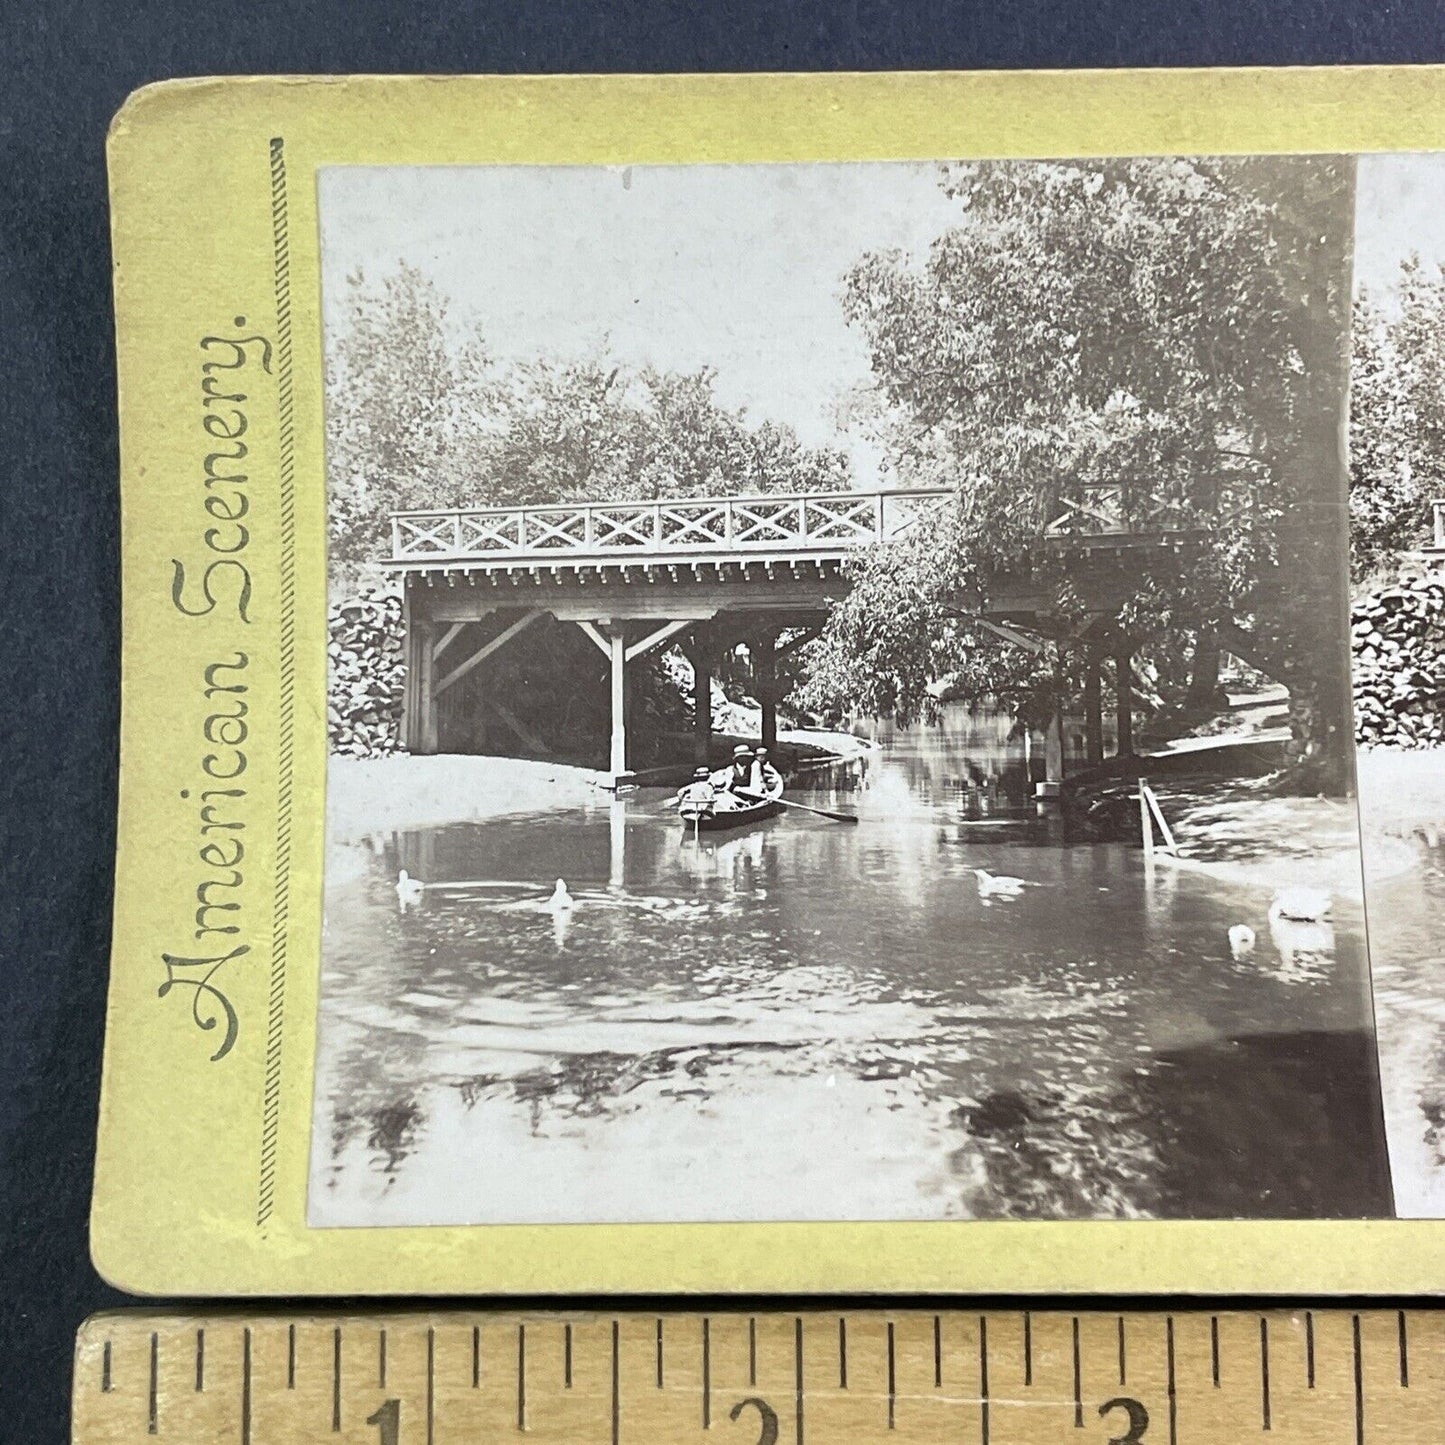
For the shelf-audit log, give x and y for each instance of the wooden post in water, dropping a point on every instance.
(765, 677)
(617, 644)
(701, 661)
(1093, 709)
(1124, 699)
(1146, 824)
(1053, 755)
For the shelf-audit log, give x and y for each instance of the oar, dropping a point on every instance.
(802, 807)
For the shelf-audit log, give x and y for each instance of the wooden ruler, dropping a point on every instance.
(774, 1378)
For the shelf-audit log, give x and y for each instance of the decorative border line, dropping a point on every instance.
(271, 1113)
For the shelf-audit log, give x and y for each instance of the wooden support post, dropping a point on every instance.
(1053, 755)
(701, 703)
(1124, 699)
(419, 713)
(765, 674)
(617, 645)
(1093, 709)
(1146, 825)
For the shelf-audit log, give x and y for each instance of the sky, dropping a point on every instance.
(1399, 208)
(735, 267)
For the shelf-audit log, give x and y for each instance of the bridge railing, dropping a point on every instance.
(1102, 509)
(817, 522)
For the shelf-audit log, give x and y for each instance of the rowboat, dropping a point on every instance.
(727, 819)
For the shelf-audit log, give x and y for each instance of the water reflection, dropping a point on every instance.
(812, 1021)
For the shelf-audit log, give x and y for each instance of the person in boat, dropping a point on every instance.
(733, 780)
(763, 778)
(696, 800)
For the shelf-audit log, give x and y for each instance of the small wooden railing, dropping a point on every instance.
(805, 524)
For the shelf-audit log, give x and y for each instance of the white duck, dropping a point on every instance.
(561, 900)
(1302, 903)
(999, 885)
(1241, 940)
(408, 889)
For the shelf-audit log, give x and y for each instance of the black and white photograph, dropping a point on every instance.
(1397, 633)
(841, 696)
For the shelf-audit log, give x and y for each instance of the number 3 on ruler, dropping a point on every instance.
(387, 1420)
(1138, 1419)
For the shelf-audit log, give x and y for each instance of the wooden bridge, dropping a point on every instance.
(709, 573)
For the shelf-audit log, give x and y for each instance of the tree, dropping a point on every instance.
(419, 415)
(1172, 329)
(1397, 419)
(402, 389)
(595, 429)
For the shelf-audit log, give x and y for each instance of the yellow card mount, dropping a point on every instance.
(812, 1378)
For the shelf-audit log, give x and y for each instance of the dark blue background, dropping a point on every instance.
(64, 69)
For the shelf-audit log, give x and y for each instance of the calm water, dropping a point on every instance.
(816, 1021)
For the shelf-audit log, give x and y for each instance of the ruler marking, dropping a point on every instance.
(246, 1386)
(336, 1380)
(798, 1374)
(152, 1424)
(521, 1377)
(1078, 1381)
(1264, 1371)
(892, 1379)
(1394, 1359)
(616, 1379)
(1359, 1386)
(1169, 1379)
(983, 1378)
(431, 1385)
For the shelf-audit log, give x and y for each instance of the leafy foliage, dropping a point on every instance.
(1170, 330)
(401, 391)
(419, 415)
(1397, 419)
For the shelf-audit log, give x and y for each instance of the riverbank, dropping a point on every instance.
(1402, 791)
(367, 796)
(370, 796)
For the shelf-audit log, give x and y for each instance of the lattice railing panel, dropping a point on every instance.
(1105, 511)
(781, 524)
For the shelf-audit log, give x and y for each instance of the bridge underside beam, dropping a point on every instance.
(625, 622)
